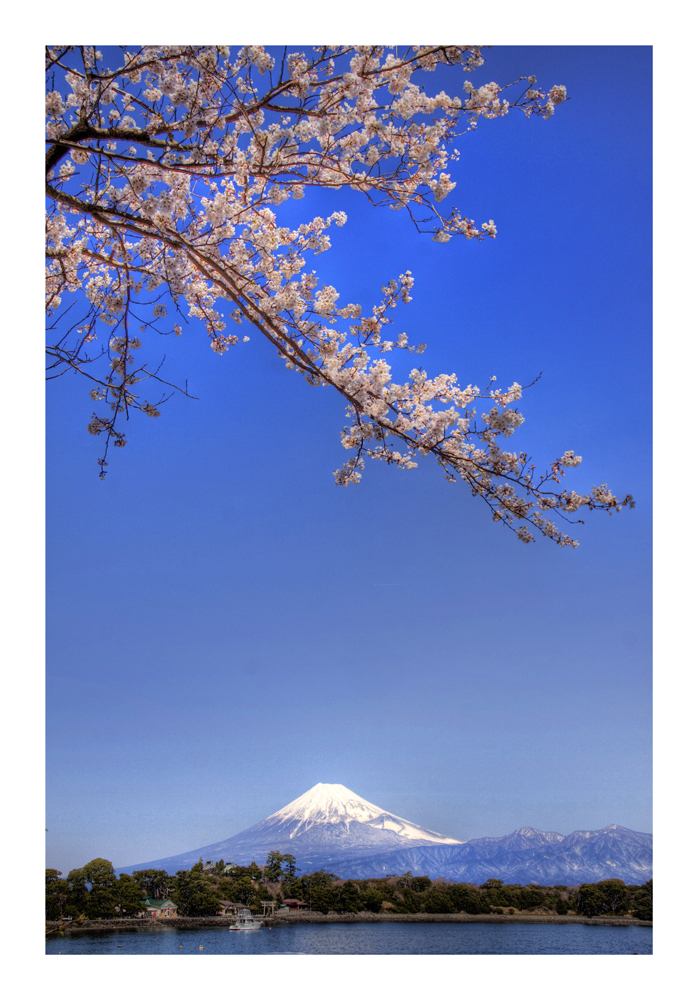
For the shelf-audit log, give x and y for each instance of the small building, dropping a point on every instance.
(226, 908)
(159, 907)
(295, 904)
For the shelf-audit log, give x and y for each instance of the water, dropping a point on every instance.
(365, 939)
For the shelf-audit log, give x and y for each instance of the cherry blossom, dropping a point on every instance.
(166, 178)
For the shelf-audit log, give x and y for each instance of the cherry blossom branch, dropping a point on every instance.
(197, 213)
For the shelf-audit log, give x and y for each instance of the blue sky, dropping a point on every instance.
(226, 627)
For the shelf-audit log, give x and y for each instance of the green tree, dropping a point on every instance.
(492, 883)
(194, 893)
(128, 895)
(420, 884)
(78, 895)
(349, 898)
(154, 882)
(616, 894)
(590, 901)
(273, 868)
(288, 863)
(437, 899)
(371, 900)
(642, 902)
(101, 901)
(467, 899)
(57, 894)
(244, 891)
(319, 890)
(226, 888)
(293, 888)
(610, 896)
(496, 893)
(529, 899)
(323, 898)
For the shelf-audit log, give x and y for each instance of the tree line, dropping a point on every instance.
(95, 892)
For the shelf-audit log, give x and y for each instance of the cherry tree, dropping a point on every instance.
(166, 177)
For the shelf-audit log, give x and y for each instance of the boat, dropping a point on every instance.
(244, 921)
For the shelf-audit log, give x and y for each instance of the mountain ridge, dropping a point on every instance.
(326, 818)
(581, 856)
(331, 827)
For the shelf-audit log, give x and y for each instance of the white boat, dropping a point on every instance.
(244, 921)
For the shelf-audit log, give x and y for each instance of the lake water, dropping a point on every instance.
(365, 939)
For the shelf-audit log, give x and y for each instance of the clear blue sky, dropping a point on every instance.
(226, 627)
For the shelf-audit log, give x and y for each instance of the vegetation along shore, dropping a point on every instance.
(93, 898)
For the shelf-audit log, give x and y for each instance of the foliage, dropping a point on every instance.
(128, 896)
(94, 891)
(166, 169)
(101, 901)
(529, 899)
(608, 897)
(57, 894)
(78, 893)
(348, 898)
(643, 902)
(438, 899)
(420, 883)
(372, 900)
(467, 899)
(273, 870)
(288, 866)
(154, 882)
(195, 893)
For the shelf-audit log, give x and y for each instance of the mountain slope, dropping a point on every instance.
(521, 857)
(331, 827)
(326, 823)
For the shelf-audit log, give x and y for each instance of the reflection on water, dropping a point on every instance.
(365, 939)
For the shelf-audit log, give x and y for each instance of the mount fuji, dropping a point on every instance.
(331, 827)
(322, 827)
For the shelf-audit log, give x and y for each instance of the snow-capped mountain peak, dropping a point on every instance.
(337, 805)
(331, 827)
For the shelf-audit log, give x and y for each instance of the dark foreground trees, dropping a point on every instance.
(95, 892)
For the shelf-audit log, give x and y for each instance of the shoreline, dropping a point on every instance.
(54, 927)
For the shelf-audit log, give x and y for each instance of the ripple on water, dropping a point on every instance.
(366, 939)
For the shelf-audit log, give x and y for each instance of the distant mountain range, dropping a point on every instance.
(521, 857)
(331, 827)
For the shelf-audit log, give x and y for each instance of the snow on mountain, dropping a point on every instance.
(522, 857)
(327, 822)
(331, 827)
(337, 805)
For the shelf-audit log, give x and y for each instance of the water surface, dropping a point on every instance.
(364, 939)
